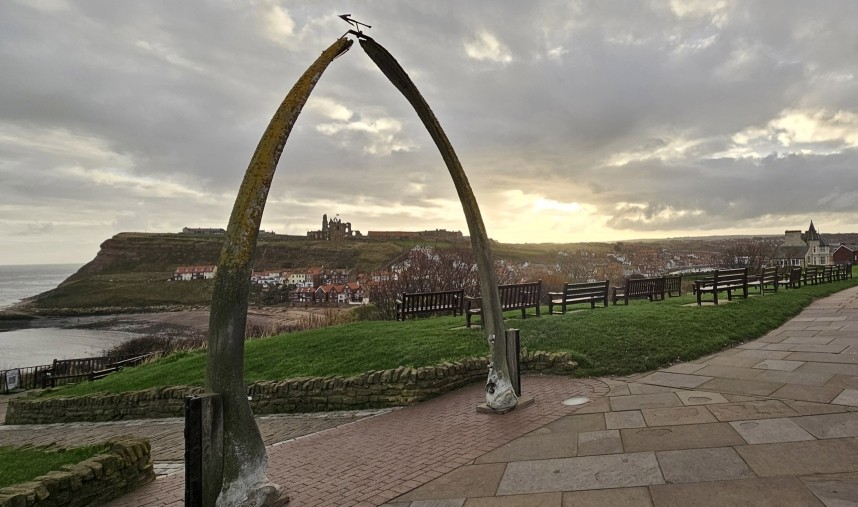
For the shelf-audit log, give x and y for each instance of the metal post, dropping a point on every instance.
(513, 351)
(203, 449)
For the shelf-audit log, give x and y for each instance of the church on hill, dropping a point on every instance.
(807, 249)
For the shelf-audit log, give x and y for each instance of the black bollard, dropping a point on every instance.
(203, 449)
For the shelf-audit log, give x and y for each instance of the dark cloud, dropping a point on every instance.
(574, 120)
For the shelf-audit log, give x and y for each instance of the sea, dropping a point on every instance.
(41, 343)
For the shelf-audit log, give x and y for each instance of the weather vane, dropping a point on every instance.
(356, 24)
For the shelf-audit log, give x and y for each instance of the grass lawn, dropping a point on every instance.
(19, 465)
(617, 340)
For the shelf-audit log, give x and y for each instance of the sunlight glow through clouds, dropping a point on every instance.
(487, 47)
(140, 185)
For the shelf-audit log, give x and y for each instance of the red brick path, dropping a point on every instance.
(374, 460)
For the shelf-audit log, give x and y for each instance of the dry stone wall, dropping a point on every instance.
(374, 389)
(126, 465)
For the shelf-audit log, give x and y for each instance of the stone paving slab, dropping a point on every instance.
(692, 398)
(670, 438)
(807, 393)
(698, 465)
(535, 500)
(677, 415)
(835, 490)
(674, 380)
(767, 431)
(717, 370)
(574, 474)
(778, 364)
(801, 458)
(573, 424)
(737, 386)
(847, 397)
(627, 419)
(811, 408)
(552, 445)
(843, 381)
(620, 497)
(796, 377)
(599, 442)
(757, 409)
(767, 492)
(640, 401)
(830, 425)
(465, 481)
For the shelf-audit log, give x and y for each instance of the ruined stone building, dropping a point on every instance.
(334, 230)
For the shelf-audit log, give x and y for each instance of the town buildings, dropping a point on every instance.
(803, 250)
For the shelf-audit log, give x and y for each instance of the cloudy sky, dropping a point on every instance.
(575, 120)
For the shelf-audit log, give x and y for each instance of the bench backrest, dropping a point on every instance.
(769, 275)
(585, 290)
(730, 277)
(672, 283)
(518, 294)
(639, 286)
(427, 301)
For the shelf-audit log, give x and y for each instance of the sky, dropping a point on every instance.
(574, 120)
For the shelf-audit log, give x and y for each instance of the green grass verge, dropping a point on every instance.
(618, 340)
(19, 465)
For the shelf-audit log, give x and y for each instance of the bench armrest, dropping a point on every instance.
(555, 293)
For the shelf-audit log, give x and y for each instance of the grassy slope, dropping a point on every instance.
(606, 341)
(22, 465)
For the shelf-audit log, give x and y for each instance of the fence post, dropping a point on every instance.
(513, 350)
(203, 449)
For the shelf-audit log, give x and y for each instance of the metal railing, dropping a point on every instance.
(67, 371)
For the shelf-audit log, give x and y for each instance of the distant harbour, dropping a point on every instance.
(41, 343)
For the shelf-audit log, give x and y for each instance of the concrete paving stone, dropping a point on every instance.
(620, 497)
(769, 492)
(575, 423)
(738, 362)
(764, 354)
(533, 446)
(780, 346)
(852, 349)
(796, 377)
(835, 368)
(778, 364)
(745, 410)
(741, 386)
(741, 397)
(639, 401)
(677, 415)
(847, 397)
(465, 481)
(690, 398)
(597, 406)
(767, 431)
(671, 438)
(831, 348)
(811, 408)
(627, 419)
(621, 390)
(834, 490)
(830, 425)
(535, 500)
(454, 502)
(801, 458)
(751, 345)
(649, 389)
(686, 368)
(843, 381)
(721, 371)
(775, 336)
(819, 357)
(807, 393)
(591, 443)
(575, 474)
(698, 465)
(674, 380)
(805, 337)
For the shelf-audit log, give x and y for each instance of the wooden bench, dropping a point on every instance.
(767, 281)
(791, 277)
(672, 283)
(590, 292)
(844, 271)
(723, 280)
(515, 296)
(424, 303)
(812, 275)
(637, 288)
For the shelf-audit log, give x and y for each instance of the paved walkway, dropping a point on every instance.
(771, 422)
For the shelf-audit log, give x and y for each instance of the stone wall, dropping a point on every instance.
(126, 465)
(374, 389)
